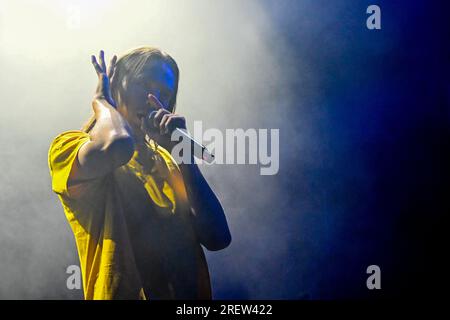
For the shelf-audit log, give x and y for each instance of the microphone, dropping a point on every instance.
(200, 150)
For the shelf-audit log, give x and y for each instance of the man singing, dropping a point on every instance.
(139, 218)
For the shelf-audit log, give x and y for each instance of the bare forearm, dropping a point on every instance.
(209, 218)
(111, 145)
(110, 125)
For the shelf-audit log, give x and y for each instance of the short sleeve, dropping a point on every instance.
(61, 156)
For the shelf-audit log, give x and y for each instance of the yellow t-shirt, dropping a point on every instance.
(132, 228)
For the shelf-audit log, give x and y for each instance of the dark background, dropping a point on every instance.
(384, 107)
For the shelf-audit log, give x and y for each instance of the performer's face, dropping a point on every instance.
(157, 79)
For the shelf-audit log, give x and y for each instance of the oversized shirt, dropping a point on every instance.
(133, 227)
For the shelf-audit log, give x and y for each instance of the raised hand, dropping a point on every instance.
(161, 125)
(164, 121)
(103, 91)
